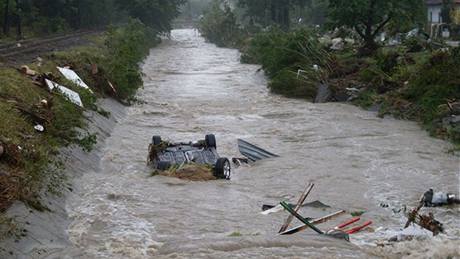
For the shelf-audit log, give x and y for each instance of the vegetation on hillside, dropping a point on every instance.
(30, 156)
(410, 81)
(220, 27)
(30, 165)
(38, 17)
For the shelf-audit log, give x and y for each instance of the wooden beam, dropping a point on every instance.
(297, 207)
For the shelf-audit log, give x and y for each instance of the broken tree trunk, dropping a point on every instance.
(297, 207)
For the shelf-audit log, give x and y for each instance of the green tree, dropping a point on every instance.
(268, 12)
(155, 13)
(446, 10)
(219, 25)
(369, 17)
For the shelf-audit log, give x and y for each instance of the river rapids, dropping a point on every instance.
(359, 162)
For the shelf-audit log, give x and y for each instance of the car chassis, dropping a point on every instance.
(164, 155)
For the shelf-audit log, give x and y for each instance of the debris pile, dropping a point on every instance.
(190, 172)
(341, 231)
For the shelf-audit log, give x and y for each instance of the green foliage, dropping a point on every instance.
(127, 46)
(88, 142)
(369, 17)
(366, 98)
(286, 83)
(219, 26)
(435, 82)
(52, 16)
(283, 54)
(272, 12)
(157, 14)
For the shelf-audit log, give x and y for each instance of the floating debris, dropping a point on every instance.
(164, 156)
(191, 172)
(253, 152)
(436, 199)
(302, 199)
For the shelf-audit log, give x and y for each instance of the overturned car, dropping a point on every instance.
(165, 155)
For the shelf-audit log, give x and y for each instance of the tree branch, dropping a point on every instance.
(380, 27)
(358, 30)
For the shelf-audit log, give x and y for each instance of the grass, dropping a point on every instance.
(31, 167)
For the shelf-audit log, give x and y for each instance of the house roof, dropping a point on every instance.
(439, 2)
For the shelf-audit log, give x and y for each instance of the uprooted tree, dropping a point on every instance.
(369, 17)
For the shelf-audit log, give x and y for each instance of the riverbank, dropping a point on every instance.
(36, 165)
(415, 80)
(192, 88)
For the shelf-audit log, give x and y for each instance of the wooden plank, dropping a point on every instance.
(358, 228)
(348, 223)
(302, 219)
(302, 199)
(316, 222)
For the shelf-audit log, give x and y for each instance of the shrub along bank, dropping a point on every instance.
(411, 81)
(29, 162)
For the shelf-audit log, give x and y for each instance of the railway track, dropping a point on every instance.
(18, 50)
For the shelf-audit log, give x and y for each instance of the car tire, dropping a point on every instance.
(223, 169)
(163, 165)
(156, 140)
(210, 141)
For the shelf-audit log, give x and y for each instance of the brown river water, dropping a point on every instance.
(192, 88)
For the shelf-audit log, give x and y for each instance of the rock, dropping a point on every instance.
(26, 70)
(375, 108)
(338, 44)
(2, 150)
(451, 120)
(324, 94)
(342, 96)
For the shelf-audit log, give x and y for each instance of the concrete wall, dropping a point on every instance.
(46, 231)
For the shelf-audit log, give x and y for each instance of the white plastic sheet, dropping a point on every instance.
(73, 77)
(69, 94)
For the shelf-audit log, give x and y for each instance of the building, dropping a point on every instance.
(435, 9)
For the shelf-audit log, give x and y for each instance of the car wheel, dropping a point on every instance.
(223, 169)
(210, 141)
(156, 140)
(163, 165)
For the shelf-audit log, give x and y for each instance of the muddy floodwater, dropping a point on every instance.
(192, 88)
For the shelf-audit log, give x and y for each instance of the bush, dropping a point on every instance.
(287, 83)
(127, 46)
(219, 26)
(283, 54)
(435, 82)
